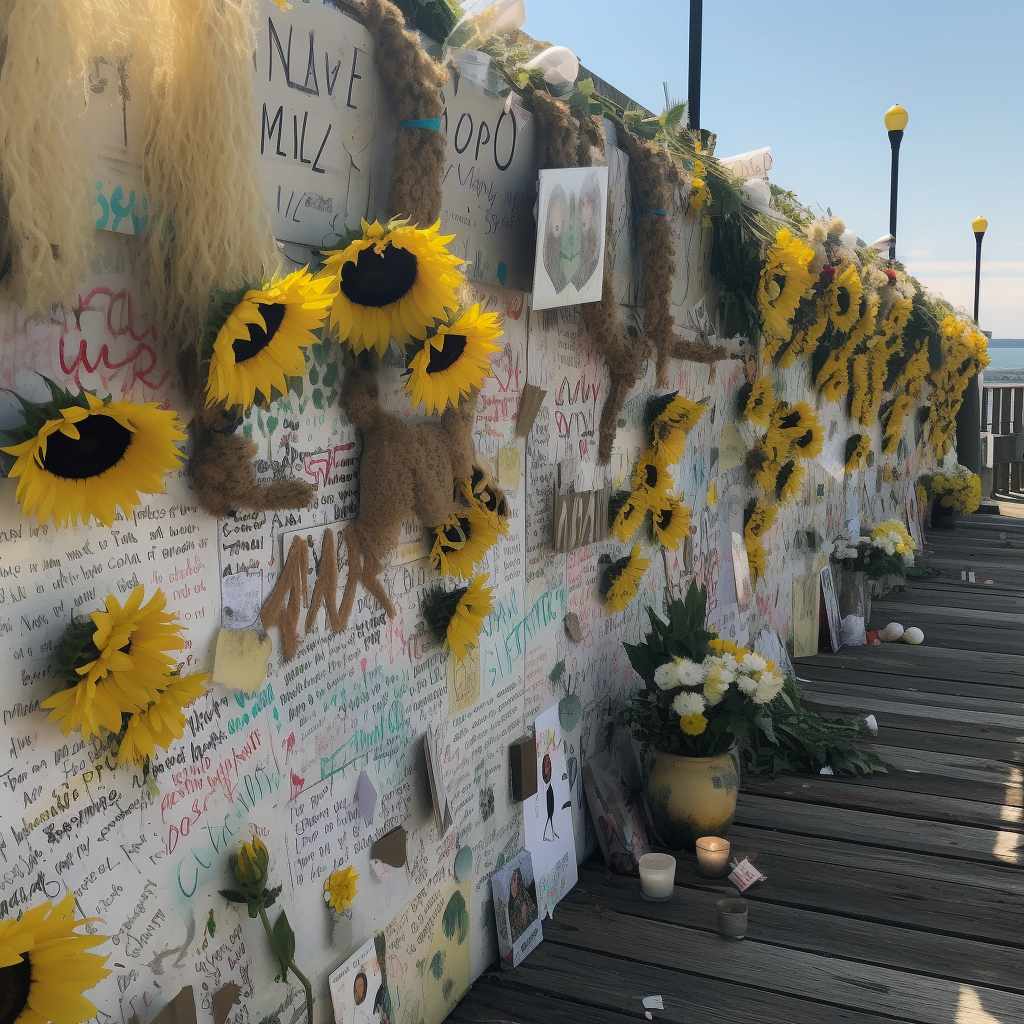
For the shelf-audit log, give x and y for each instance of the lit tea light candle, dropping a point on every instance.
(713, 857)
(657, 876)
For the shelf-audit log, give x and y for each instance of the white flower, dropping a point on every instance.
(753, 662)
(688, 703)
(689, 673)
(768, 687)
(748, 684)
(665, 676)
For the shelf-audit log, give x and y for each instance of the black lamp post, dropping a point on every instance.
(693, 87)
(896, 119)
(968, 417)
(980, 226)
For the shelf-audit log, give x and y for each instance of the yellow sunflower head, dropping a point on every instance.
(892, 427)
(482, 491)
(757, 558)
(760, 518)
(857, 448)
(785, 280)
(462, 540)
(671, 418)
(652, 474)
(671, 522)
(163, 721)
(865, 325)
(79, 456)
(340, 889)
(456, 616)
(393, 282)
(261, 339)
(842, 299)
(809, 444)
(761, 465)
(761, 402)
(118, 661)
(44, 966)
(622, 578)
(787, 483)
(455, 361)
(630, 513)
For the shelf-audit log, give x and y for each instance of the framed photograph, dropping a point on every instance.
(516, 912)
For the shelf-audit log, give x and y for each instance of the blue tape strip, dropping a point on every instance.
(660, 213)
(431, 124)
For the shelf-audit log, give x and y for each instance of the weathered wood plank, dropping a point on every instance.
(905, 659)
(496, 998)
(1011, 725)
(902, 732)
(853, 686)
(886, 610)
(825, 790)
(770, 968)
(590, 979)
(954, 766)
(1009, 690)
(884, 830)
(848, 938)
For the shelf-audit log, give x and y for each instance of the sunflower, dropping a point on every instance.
(651, 475)
(340, 889)
(481, 491)
(842, 300)
(81, 456)
(794, 420)
(761, 466)
(761, 402)
(893, 426)
(394, 282)
(809, 444)
(622, 579)
(474, 605)
(162, 722)
(462, 540)
(630, 514)
(122, 660)
(671, 521)
(454, 361)
(785, 280)
(857, 447)
(760, 518)
(865, 325)
(778, 443)
(787, 483)
(44, 966)
(834, 377)
(892, 326)
(757, 558)
(262, 339)
(672, 417)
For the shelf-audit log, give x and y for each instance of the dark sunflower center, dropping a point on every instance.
(650, 475)
(448, 354)
(805, 439)
(791, 420)
(843, 301)
(259, 339)
(101, 444)
(780, 280)
(378, 279)
(15, 982)
(664, 519)
(455, 536)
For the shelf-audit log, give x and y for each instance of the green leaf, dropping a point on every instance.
(283, 943)
(456, 918)
(233, 896)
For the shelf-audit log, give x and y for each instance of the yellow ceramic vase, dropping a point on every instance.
(692, 797)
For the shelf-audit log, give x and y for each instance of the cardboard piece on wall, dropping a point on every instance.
(438, 794)
(522, 766)
(508, 467)
(390, 848)
(530, 401)
(223, 999)
(180, 1010)
(806, 602)
(573, 629)
(580, 519)
(242, 659)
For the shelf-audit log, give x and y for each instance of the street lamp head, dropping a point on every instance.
(980, 225)
(896, 118)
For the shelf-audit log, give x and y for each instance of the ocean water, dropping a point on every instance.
(1010, 357)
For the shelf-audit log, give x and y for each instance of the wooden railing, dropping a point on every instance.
(1002, 420)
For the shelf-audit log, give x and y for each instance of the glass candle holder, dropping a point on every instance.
(657, 876)
(713, 857)
(732, 918)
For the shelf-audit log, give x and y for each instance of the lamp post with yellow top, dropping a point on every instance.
(968, 417)
(896, 119)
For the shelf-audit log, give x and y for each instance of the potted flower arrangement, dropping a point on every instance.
(702, 695)
(957, 492)
(887, 551)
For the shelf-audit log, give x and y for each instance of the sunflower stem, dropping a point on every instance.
(291, 965)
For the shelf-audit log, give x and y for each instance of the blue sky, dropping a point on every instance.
(813, 81)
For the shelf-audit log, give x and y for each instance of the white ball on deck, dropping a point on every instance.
(892, 632)
(913, 636)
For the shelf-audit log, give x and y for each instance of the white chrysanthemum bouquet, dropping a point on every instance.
(888, 551)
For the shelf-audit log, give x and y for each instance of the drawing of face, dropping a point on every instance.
(590, 215)
(546, 768)
(359, 988)
(513, 889)
(554, 227)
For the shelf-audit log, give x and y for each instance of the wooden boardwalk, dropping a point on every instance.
(895, 898)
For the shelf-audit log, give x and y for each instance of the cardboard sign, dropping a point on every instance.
(831, 599)
(580, 519)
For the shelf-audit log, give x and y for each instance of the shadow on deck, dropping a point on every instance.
(894, 898)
